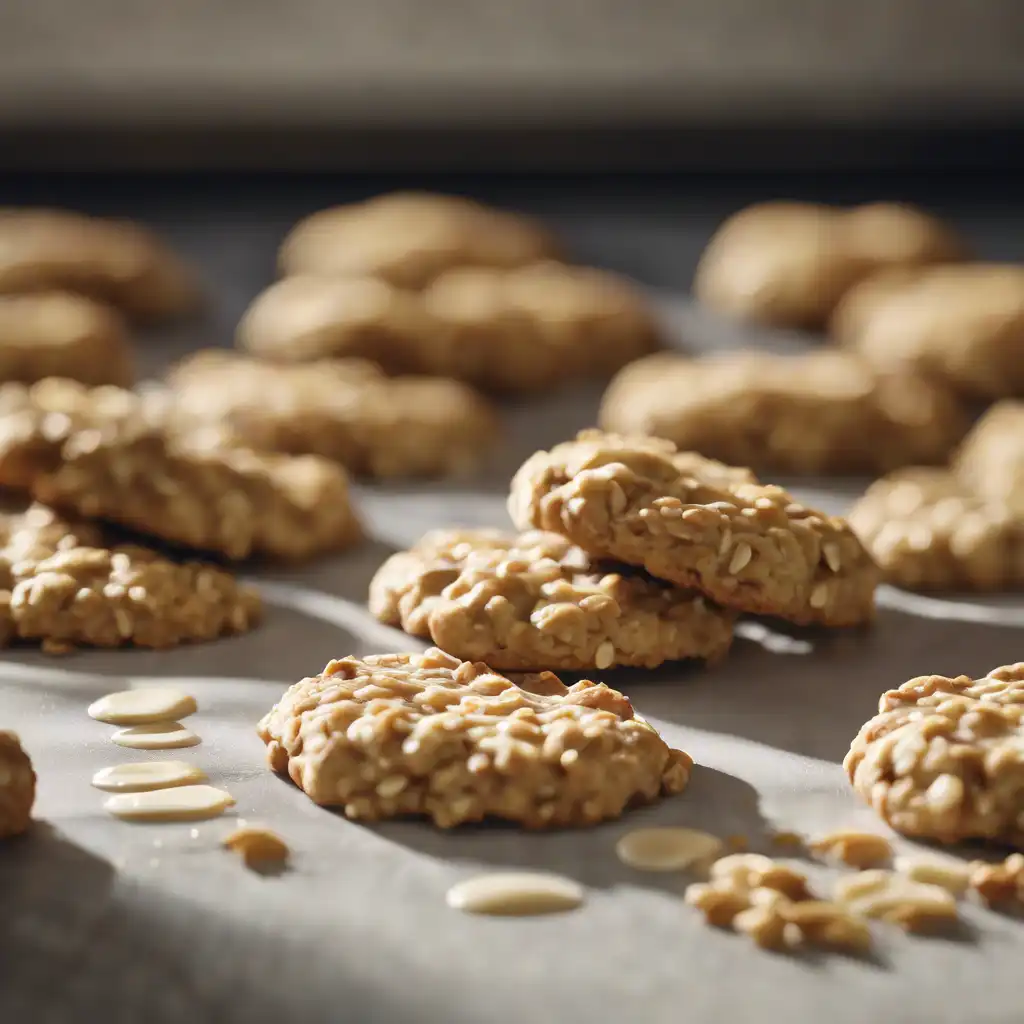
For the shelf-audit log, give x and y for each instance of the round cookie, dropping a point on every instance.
(788, 264)
(962, 323)
(408, 238)
(345, 410)
(941, 759)
(426, 734)
(928, 531)
(815, 413)
(59, 334)
(699, 524)
(111, 260)
(991, 459)
(532, 601)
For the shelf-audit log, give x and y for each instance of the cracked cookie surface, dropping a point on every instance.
(17, 786)
(114, 261)
(61, 585)
(409, 238)
(814, 413)
(61, 333)
(344, 410)
(533, 601)
(518, 331)
(700, 524)
(426, 734)
(928, 531)
(105, 457)
(942, 758)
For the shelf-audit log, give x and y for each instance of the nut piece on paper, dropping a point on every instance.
(17, 786)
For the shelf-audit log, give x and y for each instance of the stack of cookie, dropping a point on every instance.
(633, 553)
(105, 456)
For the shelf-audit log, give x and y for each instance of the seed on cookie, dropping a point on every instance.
(699, 524)
(960, 323)
(113, 261)
(813, 413)
(60, 586)
(408, 238)
(941, 761)
(514, 331)
(534, 601)
(17, 786)
(789, 264)
(64, 334)
(118, 464)
(345, 410)
(429, 735)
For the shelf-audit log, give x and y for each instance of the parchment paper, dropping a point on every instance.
(132, 922)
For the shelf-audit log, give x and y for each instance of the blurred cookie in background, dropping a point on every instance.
(787, 264)
(113, 261)
(344, 409)
(50, 334)
(409, 238)
(520, 332)
(962, 323)
(823, 412)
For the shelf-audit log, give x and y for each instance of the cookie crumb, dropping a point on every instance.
(853, 848)
(999, 884)
(258, 847)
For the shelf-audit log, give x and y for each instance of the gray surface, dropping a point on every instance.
(95, 917)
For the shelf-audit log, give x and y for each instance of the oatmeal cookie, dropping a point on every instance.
(928, 531)
(699, 524)
(60, 333)
(815, 413)
(962, 323)
(114, 261)
(427, 734)
(532, 601)
(991, 460)
(789, 264)
(144, 476)
(17, 786)
(516, 331)
(408, 238)
(942, 758)
(345, 410)
(61, 585)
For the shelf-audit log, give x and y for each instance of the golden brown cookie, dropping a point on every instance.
(17, 786)
(991, 460)
(106, 459)
(928, 531)
(821, 412)
(61, 584)
(516, 331)
(110, 260)
(962, 323)
(408, 238)
(698, 524)
(345, 410)
(426, 734)
(788, 264)
(941, 759)
(58, 333)
(532, 601)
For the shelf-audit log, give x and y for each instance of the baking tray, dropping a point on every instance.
(104, 920)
